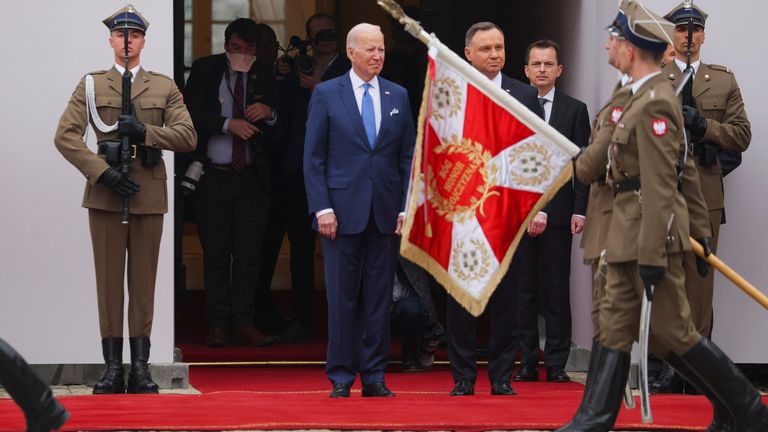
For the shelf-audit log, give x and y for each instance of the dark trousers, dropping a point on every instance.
(409, 321)
(359, 276)
(462, 335)
(232, 210)
(542, 266)
(288, 213)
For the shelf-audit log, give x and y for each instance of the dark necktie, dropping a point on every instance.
(238, 144)
(542, 101)
(369, 118)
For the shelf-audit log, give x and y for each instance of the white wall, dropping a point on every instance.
(47, 291)
(733, 38)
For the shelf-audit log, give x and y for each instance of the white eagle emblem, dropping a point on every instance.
(616, 114)
(659, 127)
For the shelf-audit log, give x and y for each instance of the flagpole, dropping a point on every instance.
(474, 77)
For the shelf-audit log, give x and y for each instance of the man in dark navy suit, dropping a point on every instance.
(485, 51)
(357, 162)
(542, 262)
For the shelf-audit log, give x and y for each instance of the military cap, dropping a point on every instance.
(686, 11)
(127, 17)
(641, 27)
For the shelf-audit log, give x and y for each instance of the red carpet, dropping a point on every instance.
(297, 398)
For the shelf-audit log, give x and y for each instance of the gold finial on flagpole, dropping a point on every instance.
(411, 25)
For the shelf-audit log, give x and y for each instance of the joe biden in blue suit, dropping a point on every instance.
(357, 163)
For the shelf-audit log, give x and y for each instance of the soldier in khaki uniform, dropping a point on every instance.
(717, 123)
(647, 236)
(160, 121)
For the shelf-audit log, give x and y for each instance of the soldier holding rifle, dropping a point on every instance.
(155, 118)
(719, 131)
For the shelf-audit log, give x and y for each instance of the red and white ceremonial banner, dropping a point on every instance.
(483, 166)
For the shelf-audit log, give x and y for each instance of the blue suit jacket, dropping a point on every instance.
(342, 172)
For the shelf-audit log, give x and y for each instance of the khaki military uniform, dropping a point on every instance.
(718, 99)
(159, 105)
(649, 226)
(590, 167)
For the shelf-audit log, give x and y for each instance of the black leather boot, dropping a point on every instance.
(725, 382)
(112, 380)
(722, 420)
(602, 400)
(667, 382)
(139, 379)
(42, 411)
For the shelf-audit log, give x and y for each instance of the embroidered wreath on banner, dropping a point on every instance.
(530, 164)
(446, 98)
(461, 160)
(471, 263)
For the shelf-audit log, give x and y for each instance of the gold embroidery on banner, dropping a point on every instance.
(530, 164)
(455, 173)
(446, 98)
(473, 263)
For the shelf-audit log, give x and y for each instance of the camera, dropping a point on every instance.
(192, 177)
(300, 61)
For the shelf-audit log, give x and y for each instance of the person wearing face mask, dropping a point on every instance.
(230, 97)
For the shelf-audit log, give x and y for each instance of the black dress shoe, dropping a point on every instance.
(527, 373)
(377, 390)
(502, 389)
(340, 390)
(463, 387)
(557, 375)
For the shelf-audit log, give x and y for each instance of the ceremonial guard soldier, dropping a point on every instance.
(125, 191)
(647, 236)
(717, 122)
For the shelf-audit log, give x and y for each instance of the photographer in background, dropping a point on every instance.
(231, 98)
(289, 211)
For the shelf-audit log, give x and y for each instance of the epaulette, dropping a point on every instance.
(720, 68)
(160, 75)
(99, 72)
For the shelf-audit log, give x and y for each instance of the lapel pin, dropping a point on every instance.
(386, 92)
(394, 111)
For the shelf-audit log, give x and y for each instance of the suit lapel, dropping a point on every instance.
(701, 82)
(558, 108)
(350, 104)
(387, 106)
(140, 84)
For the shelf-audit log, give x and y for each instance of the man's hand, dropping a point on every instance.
(327, 225)
(694, 122)
(651, 276)
(399, 227)
(577, 224)
(258, 111)
(118, 182)
(537, 225)
(310, 81)
(242, 128)
(702, 268)
(130, 126)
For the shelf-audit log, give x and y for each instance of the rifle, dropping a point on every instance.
(688, 87)
(125, 140)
